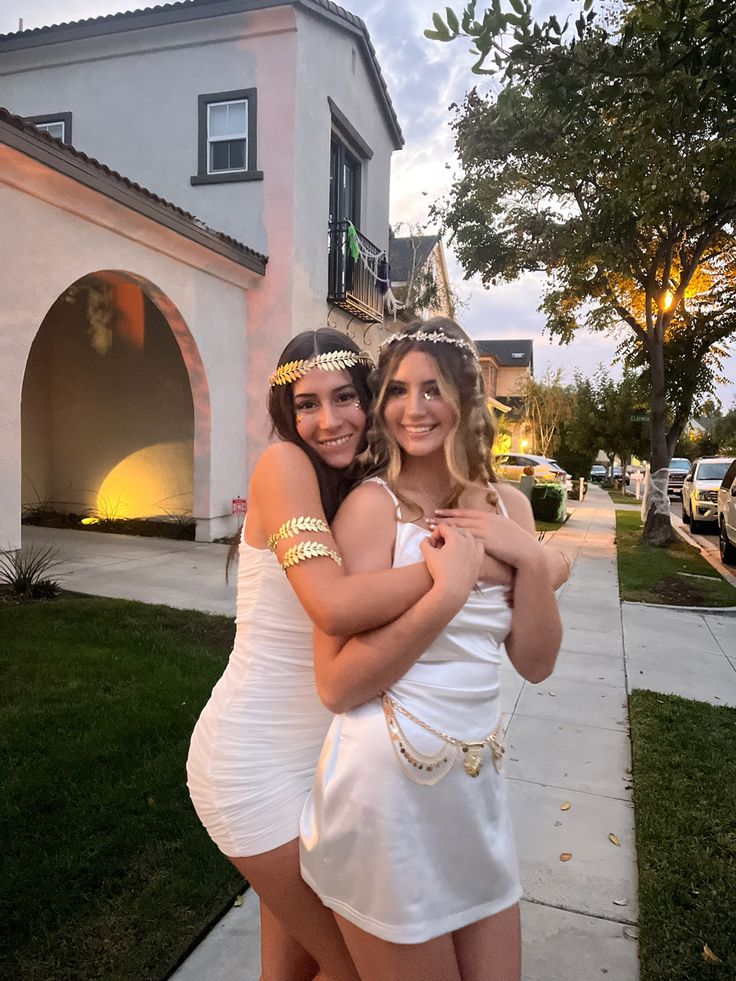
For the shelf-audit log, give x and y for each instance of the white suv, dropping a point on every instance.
(727, 516)
(700, 491)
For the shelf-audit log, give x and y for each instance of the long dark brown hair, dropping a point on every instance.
(469, 443)
(334, 485)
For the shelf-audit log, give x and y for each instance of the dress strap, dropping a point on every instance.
(391, 494)
(502, 509)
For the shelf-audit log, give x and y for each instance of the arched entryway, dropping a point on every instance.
(115, 405)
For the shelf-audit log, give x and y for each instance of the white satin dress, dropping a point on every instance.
(256, 744)
(403, 861)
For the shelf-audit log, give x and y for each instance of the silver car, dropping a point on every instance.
(727, 516)
(700, 491)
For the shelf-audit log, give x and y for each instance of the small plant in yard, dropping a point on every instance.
(26, 571)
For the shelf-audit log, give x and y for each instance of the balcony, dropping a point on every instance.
(350, 284)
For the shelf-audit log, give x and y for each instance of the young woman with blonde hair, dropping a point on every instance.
(406, 836)
(256, 744)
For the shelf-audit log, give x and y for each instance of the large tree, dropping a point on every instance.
(604, 156)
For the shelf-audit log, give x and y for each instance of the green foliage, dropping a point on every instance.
(603, 156)
(724, 433)
(576, 463)
(678, 576)
(605, 415)
(685, 795)
(108, 873)
(26, 571)
(549, 501)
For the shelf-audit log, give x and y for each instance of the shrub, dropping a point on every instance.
(26, 571)
(549, 502)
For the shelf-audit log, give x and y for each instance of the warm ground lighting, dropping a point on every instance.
(666, 301)
(155, 480)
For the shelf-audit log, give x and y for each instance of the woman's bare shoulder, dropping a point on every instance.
(368, 497)
(281, 459)
(517, 504)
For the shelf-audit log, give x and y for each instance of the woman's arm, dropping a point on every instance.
(484, 525)
(536, 628)
(284, 486)
(350, 672)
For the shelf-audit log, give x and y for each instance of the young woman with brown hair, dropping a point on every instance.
(255, 747)
(406, 836)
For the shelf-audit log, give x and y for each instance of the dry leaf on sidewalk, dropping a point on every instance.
(709, 956)
(566, 806)
(239, 900)
(565, 856)
(613, 838)
(620, 902)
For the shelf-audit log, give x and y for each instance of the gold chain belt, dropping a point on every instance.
(431, 768)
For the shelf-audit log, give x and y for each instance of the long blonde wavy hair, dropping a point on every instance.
(468, 444)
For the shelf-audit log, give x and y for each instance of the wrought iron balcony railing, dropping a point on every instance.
(350, 283)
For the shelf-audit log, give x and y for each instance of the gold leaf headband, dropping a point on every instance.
(432, 338)
(292, 371)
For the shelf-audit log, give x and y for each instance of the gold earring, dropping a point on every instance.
(298, 419)
(358, 405)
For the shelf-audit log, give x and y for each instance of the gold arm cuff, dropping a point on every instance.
(294, 527)
(308, 550)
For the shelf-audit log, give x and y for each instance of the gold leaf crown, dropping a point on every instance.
(292, 371)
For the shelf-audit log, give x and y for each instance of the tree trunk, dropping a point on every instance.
(658, 528)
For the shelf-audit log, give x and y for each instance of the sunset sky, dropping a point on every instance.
(423, 77)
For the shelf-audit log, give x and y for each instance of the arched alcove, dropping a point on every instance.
(115, 405)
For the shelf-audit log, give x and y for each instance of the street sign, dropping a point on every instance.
(240, 505)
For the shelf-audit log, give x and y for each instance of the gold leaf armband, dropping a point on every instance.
(294, 527)
(308, 550)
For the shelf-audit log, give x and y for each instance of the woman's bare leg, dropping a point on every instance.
(490, 950)
(380, 960)
(283, 957)
(276, 878)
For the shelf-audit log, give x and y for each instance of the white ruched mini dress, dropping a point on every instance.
(256, 744)
(403, 861)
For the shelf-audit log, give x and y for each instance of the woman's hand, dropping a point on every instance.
(502, 538)
(454, 558)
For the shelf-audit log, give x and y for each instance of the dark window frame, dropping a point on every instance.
(55, 117)
(251, 173)
(353, 149)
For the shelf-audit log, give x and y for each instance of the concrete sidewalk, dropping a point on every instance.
(567, 739)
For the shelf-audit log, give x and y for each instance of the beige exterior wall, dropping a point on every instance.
(64, 232)
(510, 381)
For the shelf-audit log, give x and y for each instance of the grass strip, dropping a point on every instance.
(107, 870)
(677, 575)
(618, 497)
(685, 795)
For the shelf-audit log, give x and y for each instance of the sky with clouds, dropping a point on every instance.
(424, 78)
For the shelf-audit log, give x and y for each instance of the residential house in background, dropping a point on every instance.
(419, 280)
(146, 297)
(506, 364)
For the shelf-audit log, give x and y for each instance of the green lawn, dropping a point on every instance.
(685, 796)
(107, 872)
(619, 498)
(547, 525)
(677, 575)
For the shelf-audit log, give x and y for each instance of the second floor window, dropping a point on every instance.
(344, 184)
(58, 125)
(227, 136)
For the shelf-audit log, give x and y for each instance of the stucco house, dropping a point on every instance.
(178, 183)
(506, 364)
(420, 283)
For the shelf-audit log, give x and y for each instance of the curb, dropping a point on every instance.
(724, 611)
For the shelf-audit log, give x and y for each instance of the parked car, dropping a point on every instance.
(679, 467)
(726, 506)
(700, 491)
(598, 473)
(511, 466)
